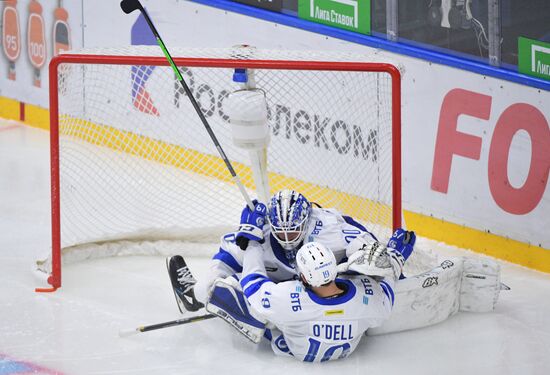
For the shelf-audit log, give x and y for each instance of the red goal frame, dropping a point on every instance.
(54, 278)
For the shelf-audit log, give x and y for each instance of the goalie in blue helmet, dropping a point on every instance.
(288, 216)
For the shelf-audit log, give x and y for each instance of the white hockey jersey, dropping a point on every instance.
(327, 226)
(315, 329)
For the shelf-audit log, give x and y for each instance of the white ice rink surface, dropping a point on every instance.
(75, 330)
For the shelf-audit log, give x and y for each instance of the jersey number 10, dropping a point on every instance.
(314, 346)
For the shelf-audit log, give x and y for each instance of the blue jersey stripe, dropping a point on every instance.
(385, 290)
(267, 334)
(356, 224)
(348, 294)
(228, 259)
(255, 286)
(252, 277)
(388, 291)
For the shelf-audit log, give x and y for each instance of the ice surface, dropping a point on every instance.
(75, 330)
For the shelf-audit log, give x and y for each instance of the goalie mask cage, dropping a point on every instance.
(130, 159)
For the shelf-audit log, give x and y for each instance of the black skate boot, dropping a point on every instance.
(182, 283)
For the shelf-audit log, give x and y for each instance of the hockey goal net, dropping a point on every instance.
(130, 159)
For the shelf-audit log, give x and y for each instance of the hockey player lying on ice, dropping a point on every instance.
(320, 317)
(323, 319)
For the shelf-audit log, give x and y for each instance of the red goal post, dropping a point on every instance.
(126, 148)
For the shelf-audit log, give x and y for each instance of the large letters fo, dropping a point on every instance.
(515, 200)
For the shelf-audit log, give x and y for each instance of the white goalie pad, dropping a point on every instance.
(458, 284)
(424, 299)
(480, 285)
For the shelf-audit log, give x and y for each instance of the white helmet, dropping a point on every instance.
(288, 215)
(316, 263)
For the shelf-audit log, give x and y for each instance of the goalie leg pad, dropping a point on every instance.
(425, 299)
(458, 284)
(229, 303)
(480, 287)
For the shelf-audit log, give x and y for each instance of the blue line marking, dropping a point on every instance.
(8, 366)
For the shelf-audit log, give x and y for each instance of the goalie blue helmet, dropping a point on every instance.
(288, 216)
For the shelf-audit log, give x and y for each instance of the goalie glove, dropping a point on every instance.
(403, 242)
(371, 258)
(252, 223)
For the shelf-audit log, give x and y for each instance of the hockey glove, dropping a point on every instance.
(403, 241)
(252, 223)
(373, 259)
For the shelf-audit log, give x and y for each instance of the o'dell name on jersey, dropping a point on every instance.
(333, 331)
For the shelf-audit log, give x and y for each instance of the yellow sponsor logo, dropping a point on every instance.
(334, 312)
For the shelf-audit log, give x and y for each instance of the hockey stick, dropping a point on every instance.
(128, 6)
(171, 323)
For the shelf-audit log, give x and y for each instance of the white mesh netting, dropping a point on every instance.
(136, 162)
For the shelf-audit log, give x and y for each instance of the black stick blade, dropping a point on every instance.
(128, 6)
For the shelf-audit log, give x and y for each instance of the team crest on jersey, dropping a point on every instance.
(298, 289)
(334, 312)
(365, 300)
